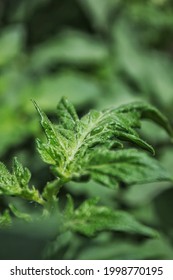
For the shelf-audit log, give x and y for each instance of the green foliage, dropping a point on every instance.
(89, 219)
(79, 149)
(20, 215)
(10, 44)
(16, 183)
(97, 54)
(70, 47)
(94, 146)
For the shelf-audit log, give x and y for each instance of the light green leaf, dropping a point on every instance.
(69, 47)
(20, 215)
(49, 89)
(22, 174)
(16, 183)
(11, 42)
(50, 193)
(67, 115)
(69, 210)
(5, 219)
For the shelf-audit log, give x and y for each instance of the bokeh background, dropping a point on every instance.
(97, 53)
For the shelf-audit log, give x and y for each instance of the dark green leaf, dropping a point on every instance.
(94, 146)
(89, 219)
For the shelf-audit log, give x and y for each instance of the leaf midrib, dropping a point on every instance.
(81, 141)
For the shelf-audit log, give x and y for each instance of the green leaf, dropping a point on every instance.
(20, 215)
(153, 70)
(16, 183)
(129, 166)
(69, 210)
(146, 111)
(51, 189)
(67, 115)
(5, 219)
(125, 249)
(49, 89)
(11, 42)
(70, 47)
(50, 195)
(89, 219)
(95, 146)
(22, 174)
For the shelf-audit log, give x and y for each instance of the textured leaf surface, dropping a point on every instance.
(128, 165)
(16, 183)
(95, 146)
(146, 111)
(89, 219)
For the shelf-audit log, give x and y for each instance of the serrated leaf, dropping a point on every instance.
(89, 219)
(54, 138)
(146, 111)
(129, 166)
(92, 147)
(22, 174)
(67, 115)
(16, 183)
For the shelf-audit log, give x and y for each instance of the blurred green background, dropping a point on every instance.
(97, 53)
